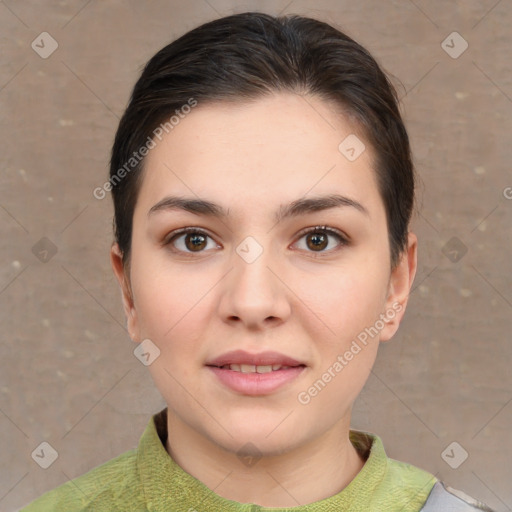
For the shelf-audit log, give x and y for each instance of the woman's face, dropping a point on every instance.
(253, 280)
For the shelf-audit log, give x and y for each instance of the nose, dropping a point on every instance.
(253, 292)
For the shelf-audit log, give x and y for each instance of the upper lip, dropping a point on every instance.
(259, 359)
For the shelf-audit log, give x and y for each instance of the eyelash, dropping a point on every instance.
(343, 239)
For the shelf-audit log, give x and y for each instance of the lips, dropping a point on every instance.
(252, 368)
(242, 358)
(255, 374)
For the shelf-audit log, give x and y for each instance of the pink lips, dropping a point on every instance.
(261, 359)
(255, 384)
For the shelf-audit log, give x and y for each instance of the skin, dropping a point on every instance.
(307, 303)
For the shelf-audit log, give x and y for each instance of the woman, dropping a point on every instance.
(263, 187)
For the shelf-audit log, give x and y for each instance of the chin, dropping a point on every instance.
(267, 432)
(257, 445)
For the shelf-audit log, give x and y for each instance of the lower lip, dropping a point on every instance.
(255, 384)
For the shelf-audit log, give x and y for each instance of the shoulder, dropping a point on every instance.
(430, 494)
(446, 498)
(108, 487)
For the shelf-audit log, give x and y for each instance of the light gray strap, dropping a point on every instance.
(445, 499)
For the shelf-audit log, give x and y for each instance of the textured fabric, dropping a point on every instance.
(147, 479)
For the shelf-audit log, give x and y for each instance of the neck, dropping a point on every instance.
(311, 472)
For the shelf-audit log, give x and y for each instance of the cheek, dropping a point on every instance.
(345, 344)
(346, 299)
(172, 311)
(348, 304)
(172, 306)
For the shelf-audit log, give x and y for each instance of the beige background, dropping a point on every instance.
(67, 372)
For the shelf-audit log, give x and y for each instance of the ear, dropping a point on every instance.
(400, 282)
(116, 259)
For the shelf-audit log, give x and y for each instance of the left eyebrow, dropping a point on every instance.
(315, 204)
(296, 208)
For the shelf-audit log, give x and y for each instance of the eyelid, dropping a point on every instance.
(328, 229)
(344, 240)
(183, 231)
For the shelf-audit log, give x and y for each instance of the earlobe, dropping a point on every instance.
(116, 259)
(400, 283)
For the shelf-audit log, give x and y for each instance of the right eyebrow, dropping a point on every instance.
(192, 205)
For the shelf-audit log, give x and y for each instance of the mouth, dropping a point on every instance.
(251, 368)
(240, 360)
(255, 374)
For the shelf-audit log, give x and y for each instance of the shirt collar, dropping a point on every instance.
(165, 482)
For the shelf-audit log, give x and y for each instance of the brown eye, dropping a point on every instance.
(317, 241)
(189, 240)
(318, 238)
(195, 241)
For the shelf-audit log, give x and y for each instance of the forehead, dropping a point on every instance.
(275, 148)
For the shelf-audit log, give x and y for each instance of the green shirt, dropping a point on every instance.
(148, 479)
